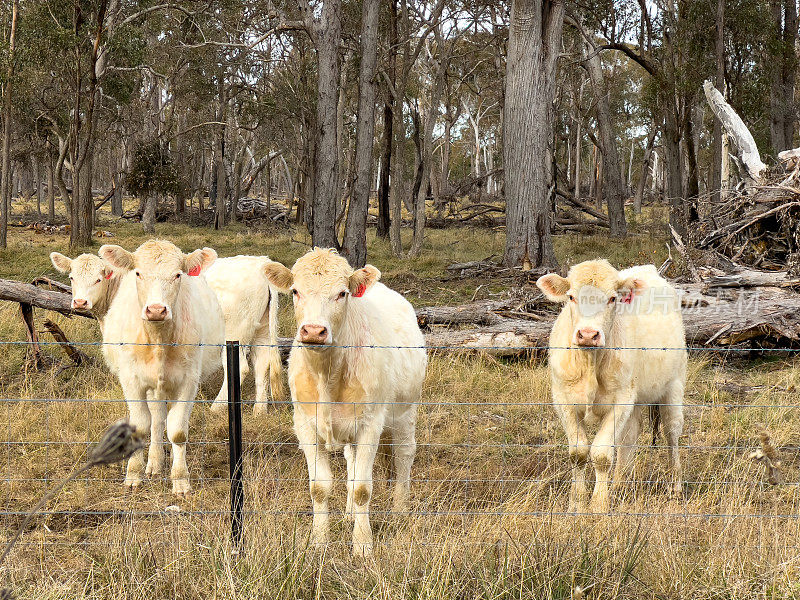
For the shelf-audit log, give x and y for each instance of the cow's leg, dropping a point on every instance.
(404, 448)
(267, 370)
(626, 448)
(139, 417)
(365, 451)
(611, 431)
(178, 435)
(221, 401)
(578, 450)
(320, 478)
(350, 458)
(672, 423)
(158, 417)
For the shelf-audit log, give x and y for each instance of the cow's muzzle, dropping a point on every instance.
(313, 335)
(156, 312)
(81, 304)
(589, 337)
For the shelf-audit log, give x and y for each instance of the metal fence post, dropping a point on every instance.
(235, 441)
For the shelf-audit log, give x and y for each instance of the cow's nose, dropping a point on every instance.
(313, 334)
(80, 304)
(156, 312)
(588, 337)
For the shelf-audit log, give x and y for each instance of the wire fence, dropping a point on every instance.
(490, 454)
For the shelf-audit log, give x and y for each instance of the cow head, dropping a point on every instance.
(322, 284)
(160, 269)
(593, 294)
(89, 276)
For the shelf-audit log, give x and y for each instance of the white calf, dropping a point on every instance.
(250, 307)
(94, 282)
(600, 369)
(346, 395)
(162, 336)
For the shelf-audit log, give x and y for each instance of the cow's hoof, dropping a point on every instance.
(599, 505)
(154, 467)
(181, 487)
(362, 549)
(132, 483)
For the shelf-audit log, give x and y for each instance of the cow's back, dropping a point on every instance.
(241, 286)
(653, 326)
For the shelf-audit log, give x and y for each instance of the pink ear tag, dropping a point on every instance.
(195, 271)
(627, 298)
(110, 274)
(360, 291)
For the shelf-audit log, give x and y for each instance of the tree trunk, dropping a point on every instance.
(327, 34)
(674, 171)
(355, 235)
(612, 184)
(5, 178)
(533, 47)
(149, 214)
(648, 153)
(51, 191)
(716, 136)
(782, 74)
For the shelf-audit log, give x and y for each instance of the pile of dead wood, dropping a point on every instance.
(756, 224)
(758, 227)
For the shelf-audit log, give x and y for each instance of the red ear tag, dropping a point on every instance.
(110, 274)
(627, 298)
(360, 291)
(195, 271)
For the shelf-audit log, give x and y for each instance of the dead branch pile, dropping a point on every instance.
(759, 227)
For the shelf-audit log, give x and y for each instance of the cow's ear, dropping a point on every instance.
(631, 286)
(363, 279)
(279, 276)
(62, 263)
(554, 287)
(199, 260)
(117, 257)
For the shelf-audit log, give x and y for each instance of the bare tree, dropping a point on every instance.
(5, 181)
(355, 236)
(533, 47)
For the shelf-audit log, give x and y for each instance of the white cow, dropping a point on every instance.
(162, 337)
(345, 392)
(601, 370)
(250, 307)
(94, 282)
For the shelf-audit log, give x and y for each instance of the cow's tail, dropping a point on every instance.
(276, 386)
(655, 420)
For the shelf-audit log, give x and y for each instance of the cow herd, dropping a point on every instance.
(358, 360)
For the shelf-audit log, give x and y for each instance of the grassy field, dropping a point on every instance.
(490, 479)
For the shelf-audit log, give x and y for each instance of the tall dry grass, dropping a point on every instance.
(487, 518)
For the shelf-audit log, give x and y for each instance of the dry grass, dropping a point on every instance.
(489, 490)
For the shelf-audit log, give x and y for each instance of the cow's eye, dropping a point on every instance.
(177, 276)
(71, 278)
(342, 294)
(612, 299)
(139, 275)
(98, 281)
(571, 298)
(295, 293)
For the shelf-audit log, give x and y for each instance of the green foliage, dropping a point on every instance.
(153, 171)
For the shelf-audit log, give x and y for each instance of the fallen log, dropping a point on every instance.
(747, 151)
(25, 293)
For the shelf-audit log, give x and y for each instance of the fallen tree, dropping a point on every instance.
(751, 309)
